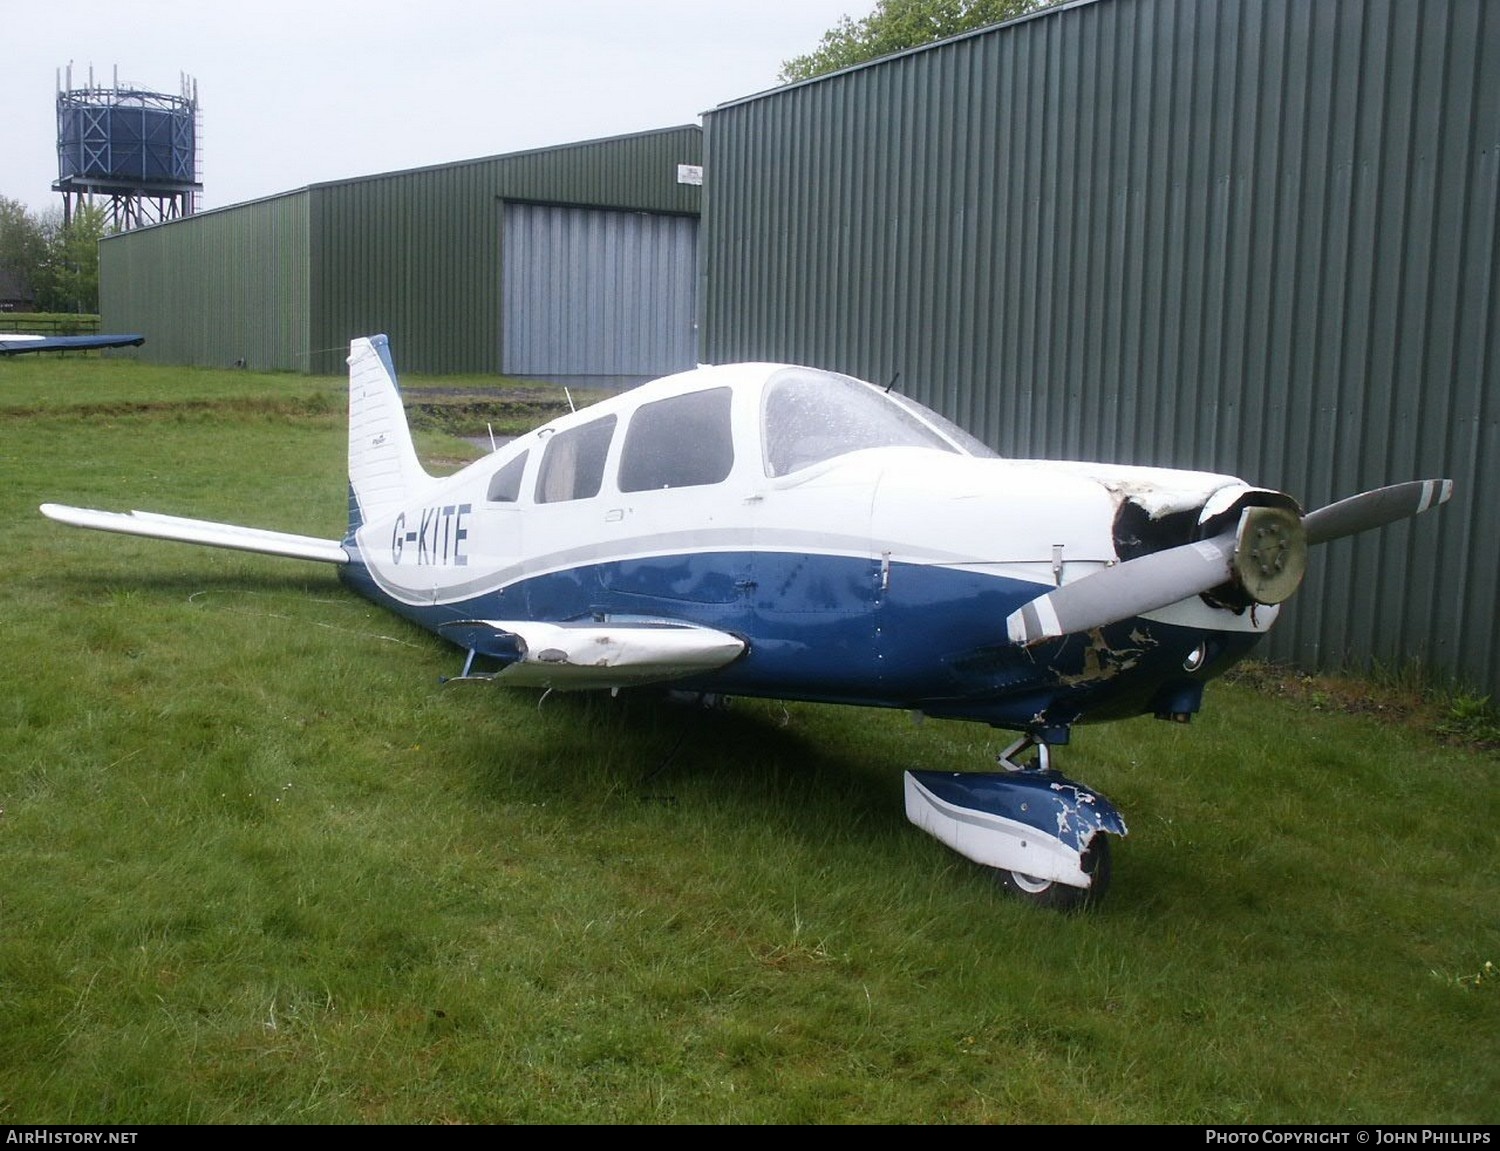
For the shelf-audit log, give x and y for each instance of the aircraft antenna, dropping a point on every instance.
(489, 427)
(569, 394)
(892, 384)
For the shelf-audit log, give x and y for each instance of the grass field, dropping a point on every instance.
(259, 866)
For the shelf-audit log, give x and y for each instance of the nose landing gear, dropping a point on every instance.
(1045, 836)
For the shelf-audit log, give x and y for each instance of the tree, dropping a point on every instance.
(59, 263)
(896, 25)
(23, 243)
(73, 261)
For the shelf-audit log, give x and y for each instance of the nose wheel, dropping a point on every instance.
(1055, 896)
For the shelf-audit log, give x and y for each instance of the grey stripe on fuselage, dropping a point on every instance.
(695, 542)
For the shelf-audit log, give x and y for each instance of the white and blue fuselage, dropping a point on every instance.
(863, 550)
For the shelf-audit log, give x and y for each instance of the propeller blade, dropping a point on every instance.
(1125, 590)
(1374, 509)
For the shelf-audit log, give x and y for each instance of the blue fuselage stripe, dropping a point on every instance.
(850, 630)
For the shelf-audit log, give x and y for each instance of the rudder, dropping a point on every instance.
(384, 472)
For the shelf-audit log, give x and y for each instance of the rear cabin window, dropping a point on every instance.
(505, 485)
(573, 464)
(681, 442)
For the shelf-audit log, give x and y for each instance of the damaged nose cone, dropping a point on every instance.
(1270, 553)
(1258, 557)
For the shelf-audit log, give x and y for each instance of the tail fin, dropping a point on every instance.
(384, 472)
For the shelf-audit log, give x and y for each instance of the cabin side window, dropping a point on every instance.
(505, 485)
(681, 442)
(573, 464)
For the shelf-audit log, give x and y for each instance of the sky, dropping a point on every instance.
(297, 92)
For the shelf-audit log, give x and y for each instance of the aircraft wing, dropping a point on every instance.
(201, 532)
(594, 654)
(14, 345)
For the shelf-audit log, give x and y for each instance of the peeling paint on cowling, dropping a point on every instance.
(1102, 662)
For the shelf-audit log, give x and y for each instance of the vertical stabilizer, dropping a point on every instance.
(384, 473)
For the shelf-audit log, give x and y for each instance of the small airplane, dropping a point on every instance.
(785, 532)
(14, 343)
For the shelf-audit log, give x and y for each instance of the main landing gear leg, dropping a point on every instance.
(1010, 758)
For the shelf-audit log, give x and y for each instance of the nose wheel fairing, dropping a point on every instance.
(1035, 823)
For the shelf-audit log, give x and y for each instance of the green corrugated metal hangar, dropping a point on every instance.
(1251, 236)
(577, 260)
(1254, 236)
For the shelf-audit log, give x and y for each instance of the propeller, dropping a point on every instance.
(1264, 555)
(1375, 509)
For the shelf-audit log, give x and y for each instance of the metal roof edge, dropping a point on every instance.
(321, 184)
(472, 160)
(988, 30)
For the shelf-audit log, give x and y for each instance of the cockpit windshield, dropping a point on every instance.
(810, 416)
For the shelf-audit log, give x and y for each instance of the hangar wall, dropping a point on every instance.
(415, 254)
(214, 289)
(1254, 236)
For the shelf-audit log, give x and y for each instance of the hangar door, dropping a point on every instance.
(588, 292)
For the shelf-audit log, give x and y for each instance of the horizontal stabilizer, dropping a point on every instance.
(204, 532)
(592, 654)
